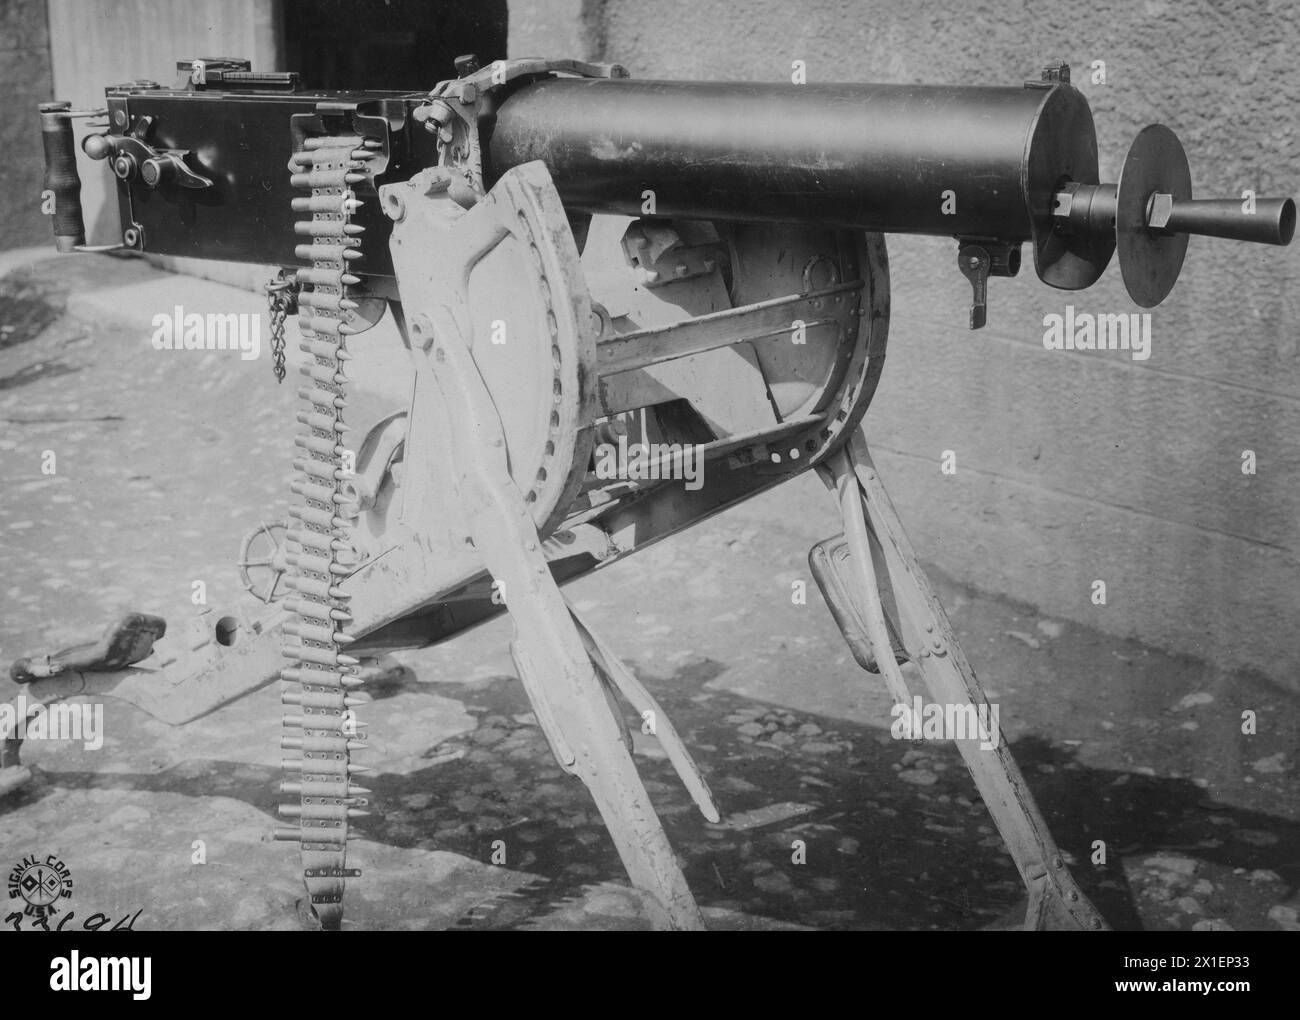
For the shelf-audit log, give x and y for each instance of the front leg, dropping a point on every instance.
(557, 671)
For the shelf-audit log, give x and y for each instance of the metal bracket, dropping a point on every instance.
(1055, 73)
(661, 257)
(978, 259)
(133, 157)
(453, 107)
(484, 78)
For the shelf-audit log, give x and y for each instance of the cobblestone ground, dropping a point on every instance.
(165, 459)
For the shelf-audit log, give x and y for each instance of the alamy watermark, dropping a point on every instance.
(178, 330)
(640, 462)
(965, 721)
(59, 721)
(1083, 331)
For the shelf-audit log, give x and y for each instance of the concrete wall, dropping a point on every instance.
(556, 28)
(1071, 466)
(25, 83)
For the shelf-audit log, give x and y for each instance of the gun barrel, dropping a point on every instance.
(916, 159)
(1271, 222)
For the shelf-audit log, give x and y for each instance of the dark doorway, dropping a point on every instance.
(407, 45)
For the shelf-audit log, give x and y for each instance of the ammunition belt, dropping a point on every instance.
(321, 679)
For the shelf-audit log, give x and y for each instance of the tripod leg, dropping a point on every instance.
(863, 570)
(651, 713)
(1055, 901)
(554, 664)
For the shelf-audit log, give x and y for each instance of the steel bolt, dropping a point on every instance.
(1160, 207)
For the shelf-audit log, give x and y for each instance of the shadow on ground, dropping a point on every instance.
(895, 835)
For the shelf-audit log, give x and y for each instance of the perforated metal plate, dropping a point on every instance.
(506, 273)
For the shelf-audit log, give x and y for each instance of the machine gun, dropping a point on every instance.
(580, 262)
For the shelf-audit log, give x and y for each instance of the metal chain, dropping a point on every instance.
(281, 299)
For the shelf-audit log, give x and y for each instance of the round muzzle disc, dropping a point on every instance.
(1150, 260)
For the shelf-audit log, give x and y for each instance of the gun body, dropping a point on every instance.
(992, 167)
(241, 141)
(949, 161)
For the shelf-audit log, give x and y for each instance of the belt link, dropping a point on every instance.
(319, 731)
